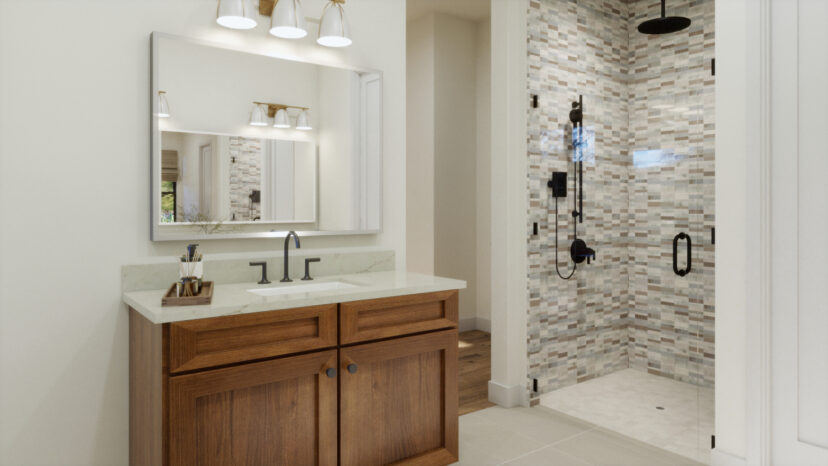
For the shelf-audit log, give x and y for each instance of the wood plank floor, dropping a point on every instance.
(475, 354)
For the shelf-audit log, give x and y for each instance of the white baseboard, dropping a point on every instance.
(507, 396)
(721, 458)
(475, 323)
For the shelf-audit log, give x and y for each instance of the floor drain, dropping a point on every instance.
(660, 408)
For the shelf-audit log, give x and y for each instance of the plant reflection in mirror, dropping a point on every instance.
(205, 222)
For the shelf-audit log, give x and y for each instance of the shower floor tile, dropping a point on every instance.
(627, 402)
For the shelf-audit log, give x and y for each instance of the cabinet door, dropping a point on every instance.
(399, 401)
(279, 412)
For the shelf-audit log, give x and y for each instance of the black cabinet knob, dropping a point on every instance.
(352, 368)
(331, 372)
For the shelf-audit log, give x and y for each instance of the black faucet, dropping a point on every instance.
(286, 278)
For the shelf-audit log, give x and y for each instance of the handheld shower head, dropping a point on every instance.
(665, 24)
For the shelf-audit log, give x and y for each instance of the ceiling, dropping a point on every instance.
(473, 10)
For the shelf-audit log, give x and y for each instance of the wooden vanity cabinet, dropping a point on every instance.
(281, 388)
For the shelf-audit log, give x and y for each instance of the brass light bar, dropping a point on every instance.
(273, 108)
(266, 6)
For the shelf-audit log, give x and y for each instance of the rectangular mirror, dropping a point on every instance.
(247, 145)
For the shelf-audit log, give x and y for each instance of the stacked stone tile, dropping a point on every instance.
(245, 177)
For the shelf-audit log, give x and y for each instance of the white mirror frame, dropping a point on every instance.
(159, 232)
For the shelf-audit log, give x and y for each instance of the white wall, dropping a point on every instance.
(508, 290)
(188, 188)
(484, 173)
(85, 66)
(455, 154)
(289, 181)
(305, 180)
(448, 188)
(337, 151)
(420, 141)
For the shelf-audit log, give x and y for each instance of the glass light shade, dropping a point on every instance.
(288, 20)
(236, 14)
(281, 120)
(258, 116)
(334, 30)
(163, 105)
(302, 122)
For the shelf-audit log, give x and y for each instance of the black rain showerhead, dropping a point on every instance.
(665, 24)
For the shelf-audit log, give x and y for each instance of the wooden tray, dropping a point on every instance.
(204, 297)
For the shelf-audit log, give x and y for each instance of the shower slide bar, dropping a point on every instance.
(678, 237)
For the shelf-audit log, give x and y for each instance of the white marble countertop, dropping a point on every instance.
(232, 299)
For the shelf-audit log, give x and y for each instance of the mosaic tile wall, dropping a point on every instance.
(672, 109)
(577, 329)
(245, 176)
(626, 309)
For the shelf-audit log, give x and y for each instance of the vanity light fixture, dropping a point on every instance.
(281, 120)
(258, 116)
(287, 20)
(302, 122)
(236, 14)
(334, 30)
(163, 105)
(280, 115)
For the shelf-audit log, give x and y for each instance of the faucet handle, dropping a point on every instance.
(263, 265)
(307, 267)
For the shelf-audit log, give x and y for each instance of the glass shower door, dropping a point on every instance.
(671, 266)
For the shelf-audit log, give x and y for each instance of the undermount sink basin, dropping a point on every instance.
(301, 288)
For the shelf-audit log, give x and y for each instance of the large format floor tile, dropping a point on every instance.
(600, 447)
(540, 436)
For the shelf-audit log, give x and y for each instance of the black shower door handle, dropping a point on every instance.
(678, 237)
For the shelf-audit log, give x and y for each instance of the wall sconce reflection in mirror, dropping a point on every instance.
(281, 116)
(258, 116)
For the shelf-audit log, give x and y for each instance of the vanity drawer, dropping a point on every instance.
(401, 315)
(217, 341)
